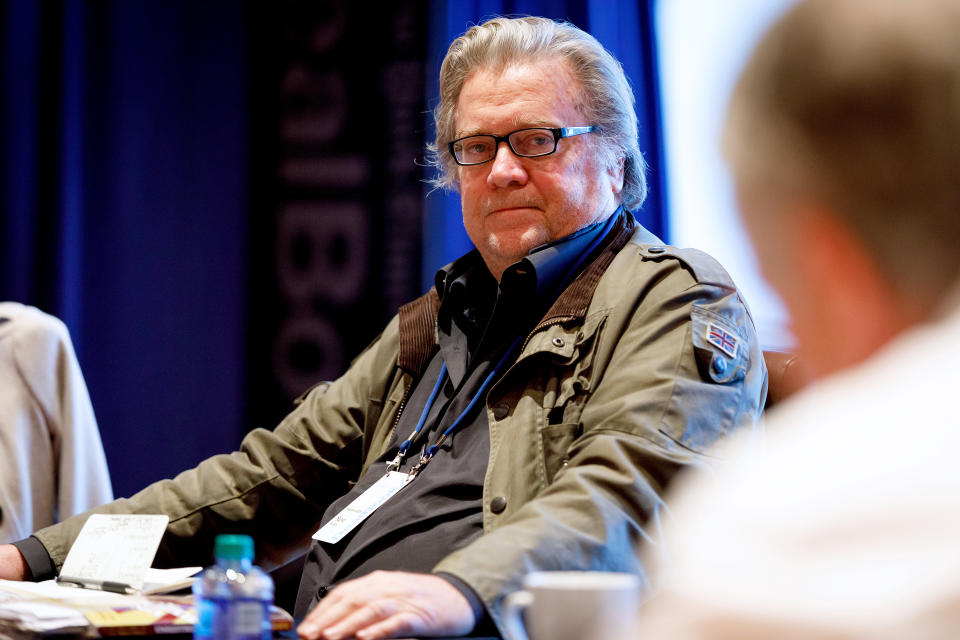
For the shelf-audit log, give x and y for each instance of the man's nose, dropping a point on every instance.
(506, 168)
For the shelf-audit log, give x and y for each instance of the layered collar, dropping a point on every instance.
(418, 319)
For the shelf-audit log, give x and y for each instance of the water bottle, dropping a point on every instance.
(233, 597)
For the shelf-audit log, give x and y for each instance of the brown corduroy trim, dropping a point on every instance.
(417, 332)
(575, 299)
(418, 319)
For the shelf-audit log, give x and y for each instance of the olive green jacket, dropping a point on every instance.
(614, 391)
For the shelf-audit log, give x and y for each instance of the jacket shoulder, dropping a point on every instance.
(30, 325)
(704, 267)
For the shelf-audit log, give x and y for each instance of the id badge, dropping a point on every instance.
(362, 506)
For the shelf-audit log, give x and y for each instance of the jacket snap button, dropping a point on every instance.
(719, 365)
(498, 504)
(558, 342)
(656, 249)
(500, 410)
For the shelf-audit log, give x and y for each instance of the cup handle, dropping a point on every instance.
(513, 607)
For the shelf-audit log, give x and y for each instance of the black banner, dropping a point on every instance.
(337, 95)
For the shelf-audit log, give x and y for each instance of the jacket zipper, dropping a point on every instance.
(400, 407)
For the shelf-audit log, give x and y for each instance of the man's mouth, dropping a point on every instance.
(515, 207)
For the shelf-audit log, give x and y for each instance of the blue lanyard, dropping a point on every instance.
(432, 449)
(394, 465)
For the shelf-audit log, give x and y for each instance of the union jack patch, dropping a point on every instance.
(723, 340)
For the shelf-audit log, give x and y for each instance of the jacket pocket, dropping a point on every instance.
(722, 352)
(555, 443)
(575, 374)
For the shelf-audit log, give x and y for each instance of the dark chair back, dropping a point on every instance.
(786, 375)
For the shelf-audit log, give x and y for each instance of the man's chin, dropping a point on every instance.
(513, 247)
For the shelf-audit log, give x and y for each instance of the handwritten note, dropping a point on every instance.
(114, 549)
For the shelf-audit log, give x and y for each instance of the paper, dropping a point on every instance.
(47, 606)
(42, 617)
(168, 580)
(114, 549)
(151, 616)
(127, 618)
(50, 591)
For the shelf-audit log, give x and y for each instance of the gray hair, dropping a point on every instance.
(855, 105)
(607, 98)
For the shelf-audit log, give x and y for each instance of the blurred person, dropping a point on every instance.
(524, 414)
(843, 135)
(52, 464)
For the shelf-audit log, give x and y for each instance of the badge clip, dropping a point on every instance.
(394, 465)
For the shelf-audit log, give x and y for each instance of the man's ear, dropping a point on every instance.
(835, 258)
(859, 309)
(616, 172)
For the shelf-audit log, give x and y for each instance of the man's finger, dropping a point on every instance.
(402, 623)
(327, 612)
(341, 613)
(360, 618)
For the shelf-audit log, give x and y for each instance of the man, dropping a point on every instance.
(844, 138)
(52, 464)
(541, 396)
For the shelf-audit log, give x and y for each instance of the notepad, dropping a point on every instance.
(114, 552)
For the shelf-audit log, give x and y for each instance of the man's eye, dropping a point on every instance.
(477, 148)
(532, 142)
(540, 141)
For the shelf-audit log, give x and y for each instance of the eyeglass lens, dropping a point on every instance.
(526, 142)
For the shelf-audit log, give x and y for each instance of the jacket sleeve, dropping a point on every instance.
(648, 402)
(275, 487)
(53, 374)
(53, 465)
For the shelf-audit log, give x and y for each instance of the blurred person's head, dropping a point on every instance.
(843, 135)
(509, 74)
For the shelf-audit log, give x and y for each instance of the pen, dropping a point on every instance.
(100, 585)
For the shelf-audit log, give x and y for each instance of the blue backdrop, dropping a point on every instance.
(124, 198)
(123, 212)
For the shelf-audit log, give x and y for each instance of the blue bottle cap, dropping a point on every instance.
(233, 547)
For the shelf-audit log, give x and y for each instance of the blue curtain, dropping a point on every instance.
(622, 26)
(122, 211)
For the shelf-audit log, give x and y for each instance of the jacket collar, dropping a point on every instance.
(418, 319)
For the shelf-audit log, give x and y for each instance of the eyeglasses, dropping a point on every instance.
(525, 143)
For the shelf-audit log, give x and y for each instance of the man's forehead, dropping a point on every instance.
(520, 121)
(534, 93)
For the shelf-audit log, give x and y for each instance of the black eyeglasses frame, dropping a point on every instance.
(558, 134)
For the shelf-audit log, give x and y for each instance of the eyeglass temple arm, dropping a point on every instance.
(566, 132)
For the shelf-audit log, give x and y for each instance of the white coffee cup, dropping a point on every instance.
(573, 605)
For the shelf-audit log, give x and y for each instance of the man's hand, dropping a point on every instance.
(12, 564)
(390, 604)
